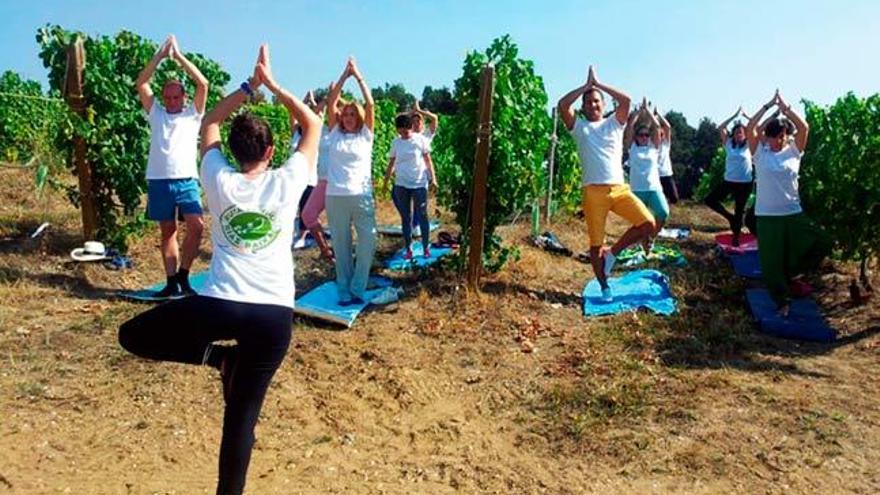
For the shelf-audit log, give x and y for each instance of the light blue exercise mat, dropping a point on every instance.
(638, 289)
(674, 233)
(397, 263)
(398, 229)
(196, 281)
(322, 302)
(804, 320)
(746, 265)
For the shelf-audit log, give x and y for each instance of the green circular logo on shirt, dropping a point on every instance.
(248, 230)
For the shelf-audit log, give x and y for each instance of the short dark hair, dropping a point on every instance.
(593, 90)
(736, 127)
(775, 128)
(249, 138)
(403, 121)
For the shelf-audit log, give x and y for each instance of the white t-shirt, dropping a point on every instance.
(323, 153)
(777, 176)
(665, 162)
(252, 230)
(644, 170)
(174, 139)
(600, 148)
(294, 142)
(737, 162)
(410, 169)
(350, 162)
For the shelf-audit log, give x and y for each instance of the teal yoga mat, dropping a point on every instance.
(196, 280)
(322, 302)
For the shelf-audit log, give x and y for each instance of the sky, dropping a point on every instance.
(701, 58)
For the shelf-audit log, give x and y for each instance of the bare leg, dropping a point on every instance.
(194, 228)
(597, 259)
(631, 236)
(170, 252)
(318, 234)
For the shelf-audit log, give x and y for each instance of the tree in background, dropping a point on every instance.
(439, 100)
(396, 93)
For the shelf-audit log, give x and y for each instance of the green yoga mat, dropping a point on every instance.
(666, 255)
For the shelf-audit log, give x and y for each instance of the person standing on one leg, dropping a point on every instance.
(249, 294)
(644, 141)
(667, 177)
(350, 187)
(788, 243)
(600, 149)
(737, 176)
(409, 159)
(171, 168)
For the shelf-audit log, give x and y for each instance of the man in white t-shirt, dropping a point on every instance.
(172, 173)
(600, 148)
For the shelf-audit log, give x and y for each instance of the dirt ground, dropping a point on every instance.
(437, 394)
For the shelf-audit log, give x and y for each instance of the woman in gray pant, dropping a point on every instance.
(349, 197)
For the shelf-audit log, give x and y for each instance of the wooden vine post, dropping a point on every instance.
(481, 174)
(551, 164)
(73, 93)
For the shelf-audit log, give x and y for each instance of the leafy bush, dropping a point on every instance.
(713, 176)
(840, 174)
(384, 133)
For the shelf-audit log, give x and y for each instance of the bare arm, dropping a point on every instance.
(145, 92)
(630, 130)
(664, 124)
(622, 99)
(656, 134)
(564, 105)
(803, 129)
(431, 117)
(430, 164)
(722, 127)
(751, 134)
(388, 171)
(333, 98)
(369, 105)
(214, 119)
(201, 97)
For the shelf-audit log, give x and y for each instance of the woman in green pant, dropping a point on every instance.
(788, 243)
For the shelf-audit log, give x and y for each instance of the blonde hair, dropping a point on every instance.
(360, 113)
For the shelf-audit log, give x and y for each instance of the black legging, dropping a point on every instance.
(302, 204)
(669, 189)
(183, 330)
(740, 192)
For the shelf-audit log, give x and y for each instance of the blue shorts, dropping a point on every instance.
(165, 196)
(656, 202)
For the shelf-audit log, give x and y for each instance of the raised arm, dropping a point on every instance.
(751, 128)
(564, 105)
(656, 134)
(630, 129)
(664, 124)
(145, 92)
(622, 99)
(803, 129)
(333, 97)
(722, 127)
(308, 121)
(201, 98)
(430, 117)
(369, 105)
(212, 121)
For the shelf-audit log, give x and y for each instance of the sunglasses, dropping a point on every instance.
(643, 135)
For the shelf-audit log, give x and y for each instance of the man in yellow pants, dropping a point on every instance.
(600, 148)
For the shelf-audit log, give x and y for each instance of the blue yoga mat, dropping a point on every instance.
(397, 263)
(804, 321)
(322, 302)
(746, 265)
(638, 289)
(674, 233)
(196, 280)
(398, 229)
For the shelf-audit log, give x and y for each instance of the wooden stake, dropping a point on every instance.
(481, 174)
(73, 91)
(553, 139)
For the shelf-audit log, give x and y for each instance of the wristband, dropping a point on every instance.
(246, 88)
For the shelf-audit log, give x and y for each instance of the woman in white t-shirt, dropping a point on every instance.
(788, 243)
(667, 177)
(737, 175)
(409, 159)
(349, 197)
(249, 294)
(643, 138)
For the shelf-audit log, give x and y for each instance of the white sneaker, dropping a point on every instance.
(610, 259)
(607, 296)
